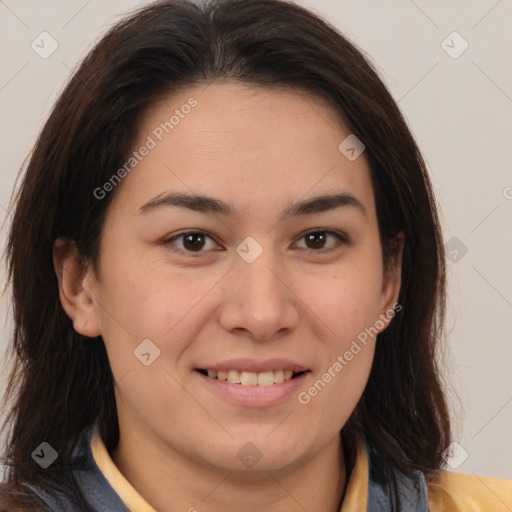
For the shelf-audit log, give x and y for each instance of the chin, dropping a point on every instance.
(255, 453)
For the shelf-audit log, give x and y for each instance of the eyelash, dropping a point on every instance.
(341, 237)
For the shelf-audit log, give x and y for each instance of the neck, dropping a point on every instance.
(163, 476)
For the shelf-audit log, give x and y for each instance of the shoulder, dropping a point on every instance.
(459, 492)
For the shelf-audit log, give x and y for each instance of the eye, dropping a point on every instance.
(316, 240)
(197, 241)
(191, 241)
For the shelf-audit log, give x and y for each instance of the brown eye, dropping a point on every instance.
(317, 241)
(194, 241)
(190, 242)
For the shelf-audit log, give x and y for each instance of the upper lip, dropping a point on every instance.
(253, 365)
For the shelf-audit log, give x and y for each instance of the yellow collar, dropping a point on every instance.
(130, 497)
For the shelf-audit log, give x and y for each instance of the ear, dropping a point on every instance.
(75, 280)
(392, 281)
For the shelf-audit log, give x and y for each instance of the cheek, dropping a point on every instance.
(345, 302)
(139, 301)
(140, 295)
(333, 393)
(346, 309)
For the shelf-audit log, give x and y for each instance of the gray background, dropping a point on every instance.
(460, 111)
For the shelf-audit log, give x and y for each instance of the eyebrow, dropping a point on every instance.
(207, 204)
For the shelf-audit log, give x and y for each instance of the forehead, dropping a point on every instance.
(244, 144)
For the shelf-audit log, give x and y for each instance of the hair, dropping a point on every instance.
(60, 381)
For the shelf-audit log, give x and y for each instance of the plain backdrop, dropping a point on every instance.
(448, 66)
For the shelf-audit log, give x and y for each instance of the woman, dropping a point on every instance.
(228, 280)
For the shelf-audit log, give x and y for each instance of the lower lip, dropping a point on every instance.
(254, 395)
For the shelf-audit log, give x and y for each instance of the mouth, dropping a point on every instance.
(247, 378)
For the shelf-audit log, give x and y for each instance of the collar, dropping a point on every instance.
(130, 497)
(391, 490)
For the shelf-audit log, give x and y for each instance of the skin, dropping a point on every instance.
(259, 150)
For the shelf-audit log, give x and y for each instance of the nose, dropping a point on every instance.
(258, 301)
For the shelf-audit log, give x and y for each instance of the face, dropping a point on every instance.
(219, 260)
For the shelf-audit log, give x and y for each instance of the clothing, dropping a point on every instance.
(371, 488)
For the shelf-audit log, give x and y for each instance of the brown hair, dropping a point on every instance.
(61, 382)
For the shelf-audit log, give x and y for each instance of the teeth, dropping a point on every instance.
(251, 378)
(265, 379)
(278, 376)
(248, 378)
(234, 376)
